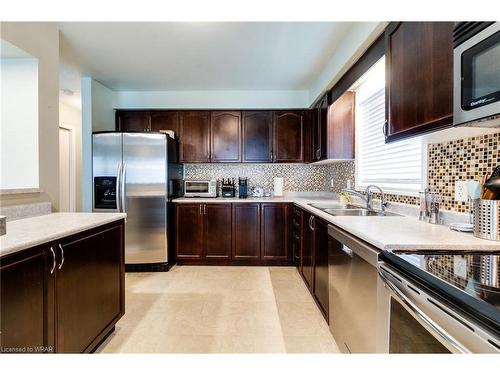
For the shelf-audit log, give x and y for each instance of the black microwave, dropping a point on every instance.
(476, 74)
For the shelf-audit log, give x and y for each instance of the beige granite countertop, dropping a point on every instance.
(386, 233)
(26, 233)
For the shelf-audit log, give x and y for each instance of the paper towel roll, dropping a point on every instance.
(278, 186)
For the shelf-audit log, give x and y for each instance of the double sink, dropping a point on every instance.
(340, 209)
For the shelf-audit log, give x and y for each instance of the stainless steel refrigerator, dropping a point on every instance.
(139, 174)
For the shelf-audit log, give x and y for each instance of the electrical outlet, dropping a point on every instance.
(461, 191)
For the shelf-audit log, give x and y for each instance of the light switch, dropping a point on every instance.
(461, 191)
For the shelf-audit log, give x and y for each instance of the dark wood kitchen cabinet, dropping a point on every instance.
(274, 224)
(319, 129)
(246, 229)
(195, 137)
(296, 237)
(341, 127)
(419, 82)
(88, 287)
(320, 290)
(165, 120)
(189, 231)
(133, 121)
(217, 225)
(257, 129)
(27, 311)
(64, 296)
(288, 136)
(308, 250)
(225, 136)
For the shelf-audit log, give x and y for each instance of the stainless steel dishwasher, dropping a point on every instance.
(352, 275)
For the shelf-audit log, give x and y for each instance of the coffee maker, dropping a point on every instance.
(242, 187)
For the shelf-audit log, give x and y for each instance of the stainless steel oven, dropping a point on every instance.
(476, 74)
(413, 319)
(200, 188)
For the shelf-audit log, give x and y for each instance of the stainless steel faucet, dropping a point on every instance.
(368, 196)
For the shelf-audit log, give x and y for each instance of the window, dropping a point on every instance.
(396, 167)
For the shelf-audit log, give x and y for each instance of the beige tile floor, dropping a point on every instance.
(219, 310)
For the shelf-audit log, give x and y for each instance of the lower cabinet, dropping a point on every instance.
(64, 296)
(320, 290)
(232, 233)
(308, 250)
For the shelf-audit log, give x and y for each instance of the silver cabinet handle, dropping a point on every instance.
(204, 209)
(318, 153)
(62, 256)
(428, 322)
(311, 222)
(201, 209)
(53, 260)
(122, 187)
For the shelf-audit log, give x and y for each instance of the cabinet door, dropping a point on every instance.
(89, 287)
(195, 137)
(341, 127)
(257, 136)
(246, 231)
(218, 229)
(321, 264)
(133, 121)
(225, 136)
(419, 82)
(307, 251)
(165, 120)
(319, 132)
(26, 306)
(288, 136)
(274, 229)
(189, 231)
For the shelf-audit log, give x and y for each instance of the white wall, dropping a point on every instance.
(19, 124)
(211, 99)
(41, 40)
(97, 115)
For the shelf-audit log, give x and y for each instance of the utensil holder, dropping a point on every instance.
(487, 219)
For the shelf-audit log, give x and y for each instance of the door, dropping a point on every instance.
(246, 231)
(307, 250)
(143, 193)
(66, 171)
(189, 231)
(217, 226)
(133, 121)
(195, 137)
(321, 265)
(106, 164)
(288, 137)
(274, 229)
(88, 287)
(257, 136)
(419, 78)
(225, 136)
(165, 120)
(26, 316)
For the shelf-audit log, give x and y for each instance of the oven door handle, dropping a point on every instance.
(419, 314)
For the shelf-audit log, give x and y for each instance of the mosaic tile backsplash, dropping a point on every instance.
(468, 158)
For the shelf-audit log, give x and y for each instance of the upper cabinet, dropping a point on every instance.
(319, 129)
(257, 129)
(419, 85)
(165, 120)
(133, 121)
(195, 137)
(288, 145)
(225, 136)
(341, 127)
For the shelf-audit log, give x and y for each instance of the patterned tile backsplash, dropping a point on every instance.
(468, 158)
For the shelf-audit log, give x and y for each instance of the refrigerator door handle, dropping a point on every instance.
(122, 187)
(117, 193)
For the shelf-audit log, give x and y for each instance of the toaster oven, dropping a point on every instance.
(200, 188)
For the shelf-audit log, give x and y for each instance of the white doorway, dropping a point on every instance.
(66, 170)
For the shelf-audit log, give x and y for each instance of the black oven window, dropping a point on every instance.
(480, 78)
(408, 336)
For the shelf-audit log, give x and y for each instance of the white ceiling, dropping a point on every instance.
(203, 56)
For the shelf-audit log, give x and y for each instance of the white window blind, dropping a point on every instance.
(395, 167)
